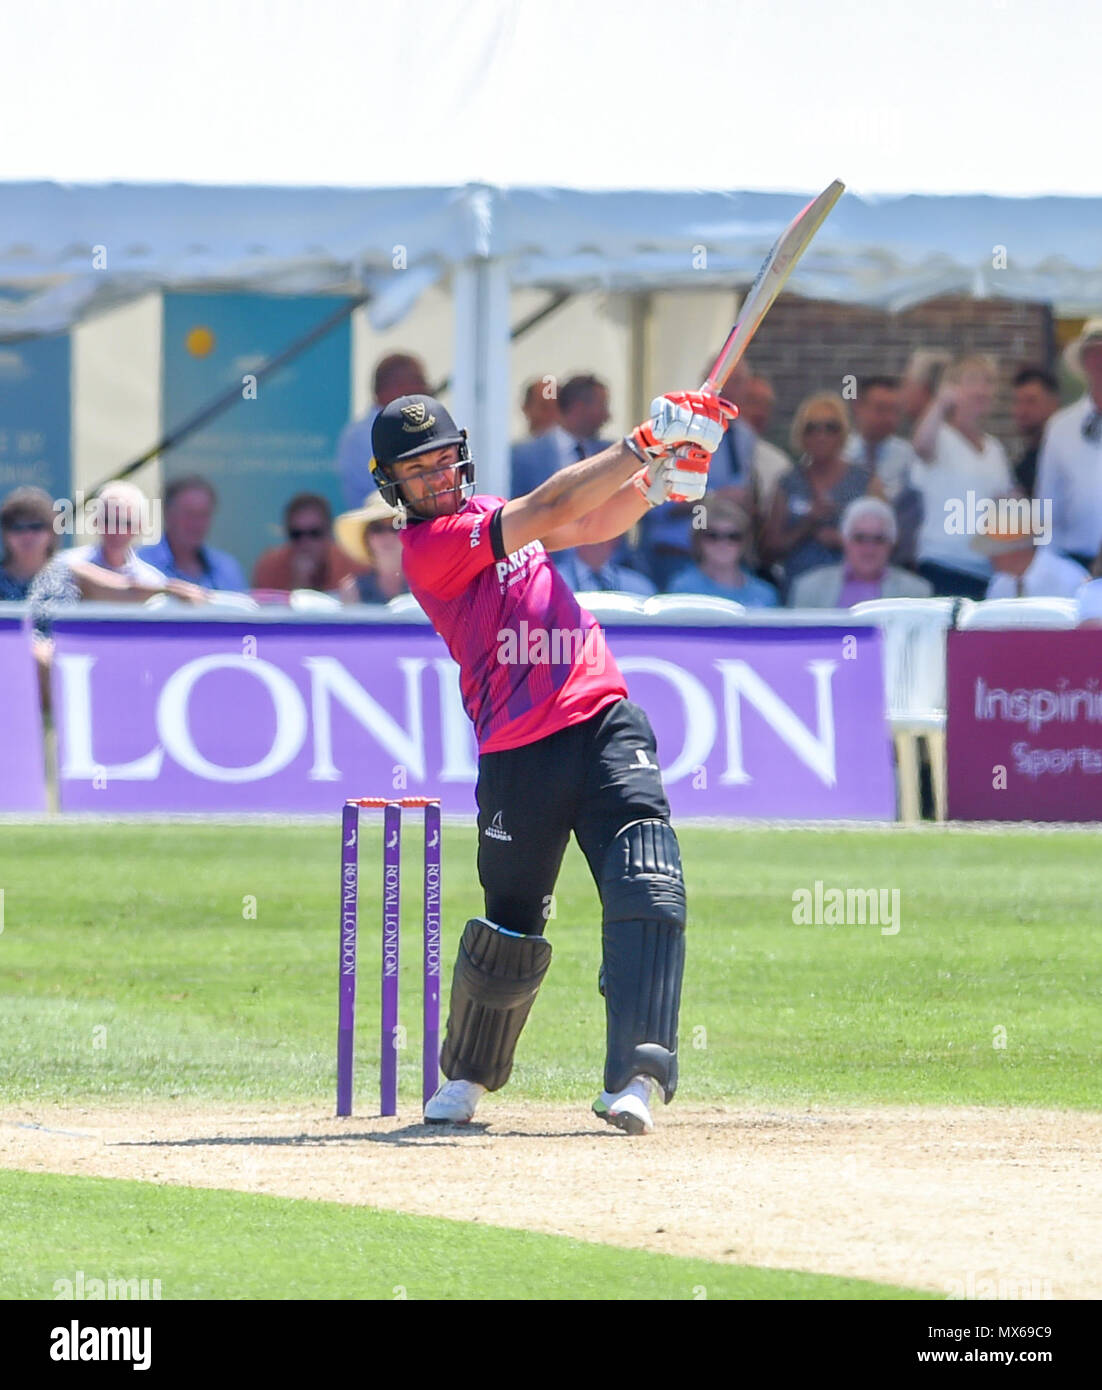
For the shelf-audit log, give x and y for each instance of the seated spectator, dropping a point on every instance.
(877, 414)
(311, 559)
(590, 567)
(1088, 605)
(1070, 462)
(802, 532)
(962, 469)
(397, 374)
(182, 552)
(117, 515)
(583, 411)
(1036, 399)
(371, 538)
(717, 569)
(920, 382)
(27, 540)
(1024, 569)
(868, 535)
(540, 404)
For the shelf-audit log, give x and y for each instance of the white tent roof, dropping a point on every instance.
(887, 253)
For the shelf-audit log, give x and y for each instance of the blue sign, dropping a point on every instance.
(280, 436)
(34, 415)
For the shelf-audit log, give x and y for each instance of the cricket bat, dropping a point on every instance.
(770, 280)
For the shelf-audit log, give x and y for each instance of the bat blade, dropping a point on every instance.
(769, 281)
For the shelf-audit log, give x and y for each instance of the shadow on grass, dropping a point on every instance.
(416, 1136)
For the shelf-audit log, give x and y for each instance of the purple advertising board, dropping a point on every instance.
(1024, 733)
(22, 765)
(286, 716)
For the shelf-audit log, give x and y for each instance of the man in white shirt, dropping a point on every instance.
(877, 415)
(1069, 469)
(1026, 570)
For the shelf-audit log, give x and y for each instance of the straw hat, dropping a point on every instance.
(1073, 353)
(349, 527)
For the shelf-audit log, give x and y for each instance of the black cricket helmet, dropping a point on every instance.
(413, 425)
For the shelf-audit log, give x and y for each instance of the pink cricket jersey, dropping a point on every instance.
(531, 659)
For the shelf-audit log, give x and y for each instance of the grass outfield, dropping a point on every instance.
(130, 969)
(208, 1244)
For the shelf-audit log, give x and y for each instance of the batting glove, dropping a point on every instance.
(683, 477)
(681, 417)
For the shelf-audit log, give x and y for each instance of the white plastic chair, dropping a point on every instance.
(611, 606)
(312, 601)
(914, 684)
(1019, 612)
(404, 608)
(693, 610)
(229, 598)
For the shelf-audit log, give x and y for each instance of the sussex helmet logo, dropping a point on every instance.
(416, 418)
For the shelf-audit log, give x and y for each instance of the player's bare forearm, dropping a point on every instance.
(612, 518)
(568, 495)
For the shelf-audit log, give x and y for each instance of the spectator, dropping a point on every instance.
(399, 374)
(1088, 605)
(540, 404)
(311, 559)
(717, 569)
(921, 379)
(371, 538)
(182, 552)
(1036, 398)
(802, 532)
(117, 515)
(27, 540)
(590, 567)
(962, 469)
(1024, 569)
(877, 414)
(1069, 467)
(770, 463)
(583, 408)
(868, 535)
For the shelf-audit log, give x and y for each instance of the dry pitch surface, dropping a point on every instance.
(939, 1199)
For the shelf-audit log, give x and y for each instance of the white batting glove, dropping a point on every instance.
(681, 417)
(683, 477)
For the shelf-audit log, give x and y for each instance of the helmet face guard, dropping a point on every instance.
(406, 428)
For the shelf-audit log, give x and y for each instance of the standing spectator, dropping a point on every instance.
(961, 470)
(311, 559)
(1069, 468)
(27, 540)
(591, 567)
(182, 552)
(868, 535)
(921, 380)
(583, 411)
(877, 415)
(1036, 399)
(717, 547)
(802, 530)
(770, 463)
(540, 404)
(117, 515)
(399, 374)
(1024, 569)
(371, 538)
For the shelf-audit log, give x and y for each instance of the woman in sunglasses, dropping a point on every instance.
(717, 549)
(311, 559)
(802, 531)
(27, 540)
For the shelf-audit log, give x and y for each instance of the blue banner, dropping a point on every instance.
(35, 415)
(281, 436)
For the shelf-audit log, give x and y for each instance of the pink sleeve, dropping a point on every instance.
(443, 556)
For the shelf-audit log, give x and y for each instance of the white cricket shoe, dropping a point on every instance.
(454, 1103)
(628, 1109)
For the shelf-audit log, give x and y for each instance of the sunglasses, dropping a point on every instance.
(19, 526)
(830, 426)
(722, 535)
(863, 538)
(306, 533)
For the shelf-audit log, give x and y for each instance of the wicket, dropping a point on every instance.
(392, 808)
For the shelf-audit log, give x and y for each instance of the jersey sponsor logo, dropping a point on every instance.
(416, 418)
(476, 532)
(517, 562)
(496, 831)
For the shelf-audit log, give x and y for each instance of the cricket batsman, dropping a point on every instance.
(561, 747)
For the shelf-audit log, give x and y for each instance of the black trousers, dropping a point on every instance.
(591, 779)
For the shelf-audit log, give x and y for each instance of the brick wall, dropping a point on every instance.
(810, 345)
